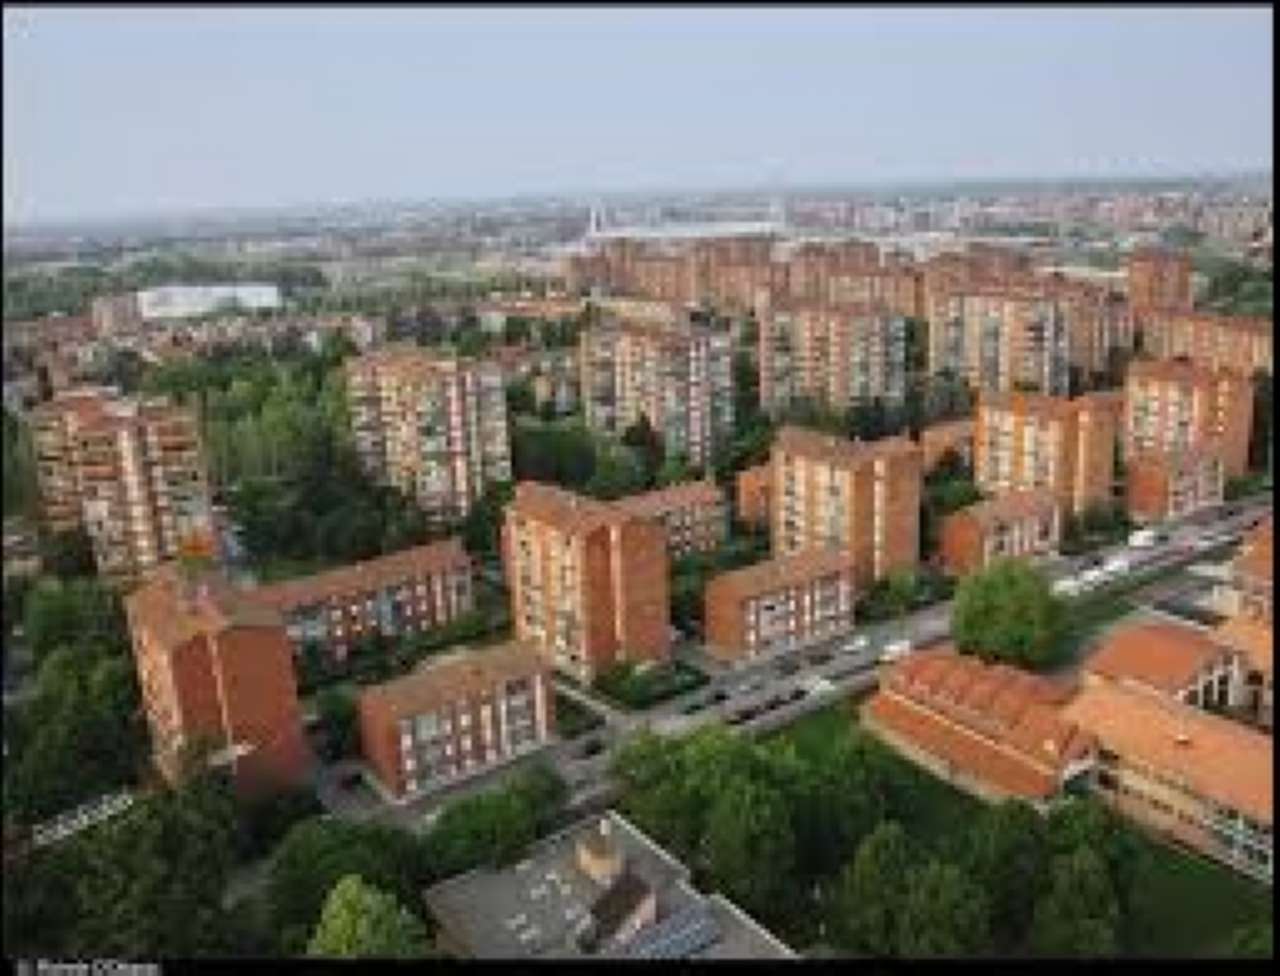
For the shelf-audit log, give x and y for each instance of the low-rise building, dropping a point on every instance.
(693, 513)
(753, 487)
(1250, 589)
(1254, 641)
(597, 889)
(454, 716)
(1181, 663)
(1162, 485)
(779, 604)
(403, 593)
(216, 670)
(990, 730)
(1016, 523)
(1204, 780)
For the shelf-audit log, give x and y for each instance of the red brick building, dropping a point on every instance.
(1168, 484)
(455, 716)
(753, 487)
(216, 668)
(1014, 524)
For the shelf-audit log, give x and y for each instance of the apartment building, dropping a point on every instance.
(588, 581)
(130, 471)
(1238, 343)
(455, 716)
(832, 493)
(1204, 780)
(779, 604)
(991, 730)
(1025, 441)
(1016, 524)
(681, 378)
(1159, 280)
(956, 436)
(753, 487)
(835, 356)
(1175, 405)
(1002, 337)
(1171, 483)
(694, 515)
(433, 426)
(216, 670)
(407, 592)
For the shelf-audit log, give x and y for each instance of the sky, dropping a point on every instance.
(148, 111)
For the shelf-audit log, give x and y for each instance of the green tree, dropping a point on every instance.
(617, 474)
(748, 845)
(943, 914)
(1253, 941)
(1007, 857)
(316, 854)
(68, 554)
(647, 445)
(872, 892)
(675, 470)
(1085, 822)
(1007, 613)
(1078, 915)
(482, 528)
(361, 922)
(488, 828)
(337, 710)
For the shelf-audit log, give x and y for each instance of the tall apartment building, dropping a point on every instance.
(1175, 405)
(1027, 441)
(1159, 280)
(404, 593)
(128, 470)
(588, 581)
(681, 378)
(1002, 337)
(433, 426)
(831, 493)
(216, 670)
(1211, 341)
(455, 716)
(1013, 524)
(694, 515)
(835, 356)
(779, 604)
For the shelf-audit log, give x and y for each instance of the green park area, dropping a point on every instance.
(637, 688)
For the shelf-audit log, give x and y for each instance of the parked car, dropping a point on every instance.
(859, 643)
(1143, 538)
(895, 650)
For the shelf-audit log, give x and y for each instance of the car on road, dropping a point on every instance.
(1092, 575)
(1117, 564)
(895, 650)
(820, 657)
(1143, 538)
(1068, 586)
(859, 643)
(718, 696)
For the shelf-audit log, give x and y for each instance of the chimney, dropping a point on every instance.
(1182, 739)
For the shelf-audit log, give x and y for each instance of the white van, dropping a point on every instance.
(1143, 539)
(895, 650)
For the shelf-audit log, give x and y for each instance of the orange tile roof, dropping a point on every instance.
(1010, 506)
(1254, 638)
(779, 574)
(1163, 656)
(814, 444)
(564, 510)
(447, 677)
(688, 494)
(1254, 559)
(1219, 759)
(363, 577)
(174, 607)
(1000, 724)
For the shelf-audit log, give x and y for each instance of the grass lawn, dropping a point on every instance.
(817, 731)
(574, 718)
(1187, 906)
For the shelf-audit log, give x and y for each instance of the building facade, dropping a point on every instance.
(1159, 280)
(833, 356)
(434, 427)
(753, 488)
(1025, 442)
(680, 378)
(404, 593)
(1176, 406)
(955, 436)
(588, 582)
(1211, 341)
(779, 605)
(694, 515)
(1168, 484)
(216, 671)
(130, 471)
(831, 493)
(1016, 524)
(455, 716)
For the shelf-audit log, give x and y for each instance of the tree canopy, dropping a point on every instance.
(1007, 613)
(361, 922)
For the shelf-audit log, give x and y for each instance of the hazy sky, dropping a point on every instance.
(133, 111)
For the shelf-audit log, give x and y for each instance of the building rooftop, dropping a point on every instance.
(1173, 370)
(1009, 506)
(447, 677)
(560, 508)
(780, 573)
(1161, 656)
(1255, 639)
(688, 494)
(840, 450)
(1254, 561)
(363, 577)
(176, 605)
(996, 723)
(1216, 757)
(538, 908)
